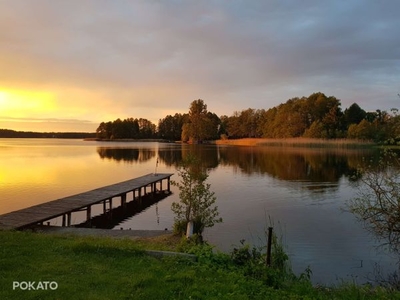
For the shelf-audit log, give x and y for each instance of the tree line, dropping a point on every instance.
(8, 133)
(316, 116)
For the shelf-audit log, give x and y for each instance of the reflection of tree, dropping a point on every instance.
(126, 154)
(207, 155)
(378, 201)
(170, 156)
(294, 164)
(325, 166)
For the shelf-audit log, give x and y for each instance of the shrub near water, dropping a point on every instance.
(197, 201)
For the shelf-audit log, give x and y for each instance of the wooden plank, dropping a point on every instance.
(66, 205)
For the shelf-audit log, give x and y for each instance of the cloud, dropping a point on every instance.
(133, 56)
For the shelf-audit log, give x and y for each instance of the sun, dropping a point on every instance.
(25, 103)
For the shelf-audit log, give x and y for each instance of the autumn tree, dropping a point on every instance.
(245, 124)
(146, 128)
(198, 120)
(363, 131)
(296, 116)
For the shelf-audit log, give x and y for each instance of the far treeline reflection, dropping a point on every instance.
(284, 163)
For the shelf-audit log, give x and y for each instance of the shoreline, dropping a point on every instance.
(276, 142)
(129, 140)
(297, 142)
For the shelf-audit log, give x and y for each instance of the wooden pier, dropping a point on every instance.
(64, 207)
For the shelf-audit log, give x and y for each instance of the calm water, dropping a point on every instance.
(303, 190)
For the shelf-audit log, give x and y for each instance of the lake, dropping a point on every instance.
(303, 190)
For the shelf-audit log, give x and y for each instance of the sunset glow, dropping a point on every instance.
(71, 67)
(24, 103)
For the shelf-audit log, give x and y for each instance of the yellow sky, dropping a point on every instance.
(72, 108)
(30, 110)
(22, 103)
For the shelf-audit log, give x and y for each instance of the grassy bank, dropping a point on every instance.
(298, 142)
(103, 268)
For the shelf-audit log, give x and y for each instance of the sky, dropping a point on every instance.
(69, 65)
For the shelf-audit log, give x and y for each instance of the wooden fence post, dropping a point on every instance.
(269, 246)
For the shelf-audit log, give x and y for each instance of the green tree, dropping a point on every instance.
(196, 199)
(170, 127)
(354, 114)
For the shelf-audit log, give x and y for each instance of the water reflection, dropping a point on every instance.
(321, 167)
(207, 155)
(126, 154)
(293, 163)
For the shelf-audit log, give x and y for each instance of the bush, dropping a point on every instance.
(196, 199)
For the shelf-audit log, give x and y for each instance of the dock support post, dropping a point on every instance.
(161, 185)
(169, 184)
(89, 213)
(104, 207)
(123, 200)
(109, 210)
(64, 220)
(69, 219)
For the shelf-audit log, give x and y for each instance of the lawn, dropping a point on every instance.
(105, 268)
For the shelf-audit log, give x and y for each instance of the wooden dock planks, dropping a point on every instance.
(53, 209)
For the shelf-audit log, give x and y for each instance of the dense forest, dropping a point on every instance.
(316, 116)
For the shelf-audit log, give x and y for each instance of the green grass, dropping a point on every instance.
(104, 268)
